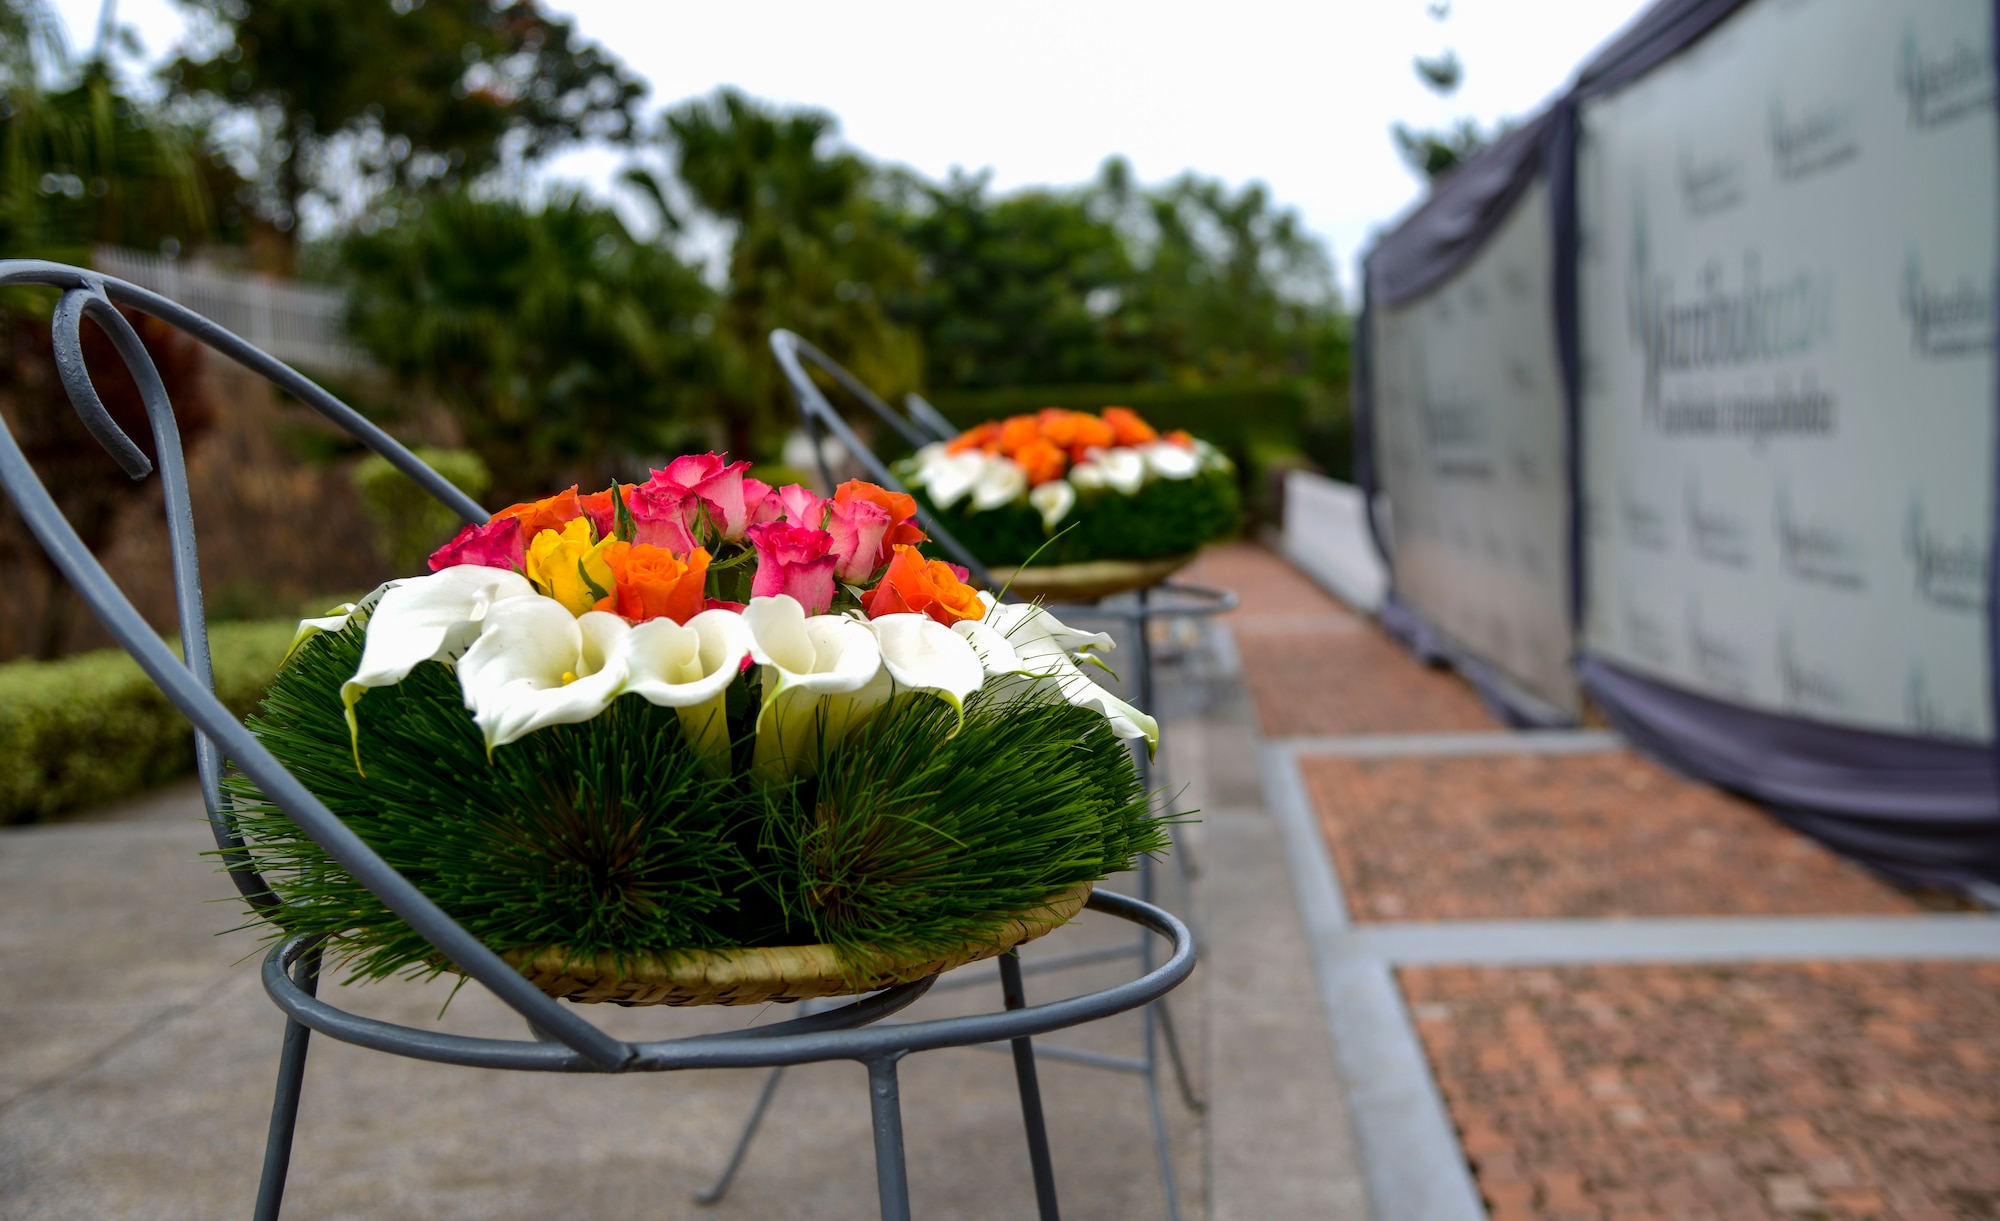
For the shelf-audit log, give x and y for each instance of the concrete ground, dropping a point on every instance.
(137, 1054)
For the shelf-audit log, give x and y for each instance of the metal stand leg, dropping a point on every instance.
(892, 1179)
(1155, 1017)
(764, 1097)
(1031, 1095)
(285, 1105)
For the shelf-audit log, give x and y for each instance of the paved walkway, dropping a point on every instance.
(137, 1053)
(1563, 983)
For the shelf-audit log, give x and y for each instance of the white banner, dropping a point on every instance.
(1786, 277)
(1468, 410)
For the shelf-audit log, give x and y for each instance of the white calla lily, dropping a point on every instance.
(1042, 645)
(921, 654)
(1088, 475)
(1124, 469)
(1001, 482)
(689, 668)
(334, 620)
(534, 664)
(948, 478)
(819, 674)
(1053, 500)
(1170, 461)
(425, 619)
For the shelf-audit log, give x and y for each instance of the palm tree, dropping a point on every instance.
(566, 348)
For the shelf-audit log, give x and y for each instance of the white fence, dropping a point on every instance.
(295, 323)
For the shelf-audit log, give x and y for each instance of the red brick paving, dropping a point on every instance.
(1851, 1090)
(1526, 836)
(1621, 1093)
(1315, 668)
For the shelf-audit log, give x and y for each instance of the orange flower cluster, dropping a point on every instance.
(1049, 442)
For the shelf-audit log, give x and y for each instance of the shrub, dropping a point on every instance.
(92, 727)
(410, 523)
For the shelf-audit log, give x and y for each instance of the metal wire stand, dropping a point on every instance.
(564, 1041)
(921, 424)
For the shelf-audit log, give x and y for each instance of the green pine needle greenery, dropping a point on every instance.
(1165, 517)
(610, 835)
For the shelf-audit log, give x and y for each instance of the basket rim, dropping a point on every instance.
(818, 968)
(1092, 578)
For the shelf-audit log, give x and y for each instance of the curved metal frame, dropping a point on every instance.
(565, 1041)
(1185, 600)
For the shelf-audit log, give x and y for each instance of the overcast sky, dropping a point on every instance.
(1296, 95)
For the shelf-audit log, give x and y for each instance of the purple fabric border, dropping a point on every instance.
(1923, 809)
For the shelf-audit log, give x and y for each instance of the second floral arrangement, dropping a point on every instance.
(1070, 487)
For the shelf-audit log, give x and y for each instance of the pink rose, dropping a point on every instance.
(494, 544)
(857, 528)
(793, 560)
(663, 517)
(802, 507)
(760, 503)
(717, 482)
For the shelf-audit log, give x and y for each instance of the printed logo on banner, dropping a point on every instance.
(1805, 685)
(1813, 551)
(1811, 143)
(1942, 84)
(1646, 635)
(1949, 573)
(1714, 534)
(1946, 321)
(1452, 427)
(1645, 527)
(1929, 717)
(1476, 297)
(1720, 327)
(1710, 185)
(1716, 659)
(1517, 283)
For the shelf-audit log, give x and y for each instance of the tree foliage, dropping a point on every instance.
(565, 346)
(809, 250)
(81, 162)
(354, 98)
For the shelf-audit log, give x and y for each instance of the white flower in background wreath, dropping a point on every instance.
(1001, 483)
(1170, 461)
(946, 477)
(1053, 500)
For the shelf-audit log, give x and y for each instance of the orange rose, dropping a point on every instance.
(1128, 428)
(551, 513)
(1042, 460)
(1016, 432)
(651, 583)
(973, 438)
(913, 584)
(1181, 437)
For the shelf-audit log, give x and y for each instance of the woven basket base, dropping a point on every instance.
(759, 975)
(1090, 581)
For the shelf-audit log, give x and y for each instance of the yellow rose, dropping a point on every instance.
(570, 568)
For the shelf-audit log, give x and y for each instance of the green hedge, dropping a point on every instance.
(93, 728)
